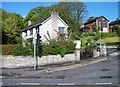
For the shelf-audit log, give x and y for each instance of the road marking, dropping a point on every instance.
(115, 54)
(74, 66)
(65, 84)
(30, 83)
(103, 83)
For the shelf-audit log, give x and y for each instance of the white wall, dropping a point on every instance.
(105, 29)
(43, 30)
(61, 24)
(22, 61)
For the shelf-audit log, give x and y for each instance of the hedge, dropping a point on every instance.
(7, 49)
(53, 48)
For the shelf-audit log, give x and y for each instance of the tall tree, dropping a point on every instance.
(77, 12)
(11, 26)
(38, 13)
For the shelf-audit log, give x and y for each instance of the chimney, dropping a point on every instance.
(54, 13)
(29, 22)
(54, 16)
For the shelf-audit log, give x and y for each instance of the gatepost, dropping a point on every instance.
(103, 51)
(78, 44)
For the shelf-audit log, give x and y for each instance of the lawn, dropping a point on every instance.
(109, 40)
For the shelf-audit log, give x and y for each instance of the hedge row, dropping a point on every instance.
(7, 49)
(53, 48)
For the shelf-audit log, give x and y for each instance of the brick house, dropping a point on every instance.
(101, 22)
(114, 23)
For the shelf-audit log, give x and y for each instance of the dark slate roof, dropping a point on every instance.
(115, 22)
(34, 24)
(91, 20)
(94, 19)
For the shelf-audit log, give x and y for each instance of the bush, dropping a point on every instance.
(7, 49)
(112, 34)
(61, 47)
(53, 48)
(97, 36)
(89, 49)
(19, 50)
(104, 35)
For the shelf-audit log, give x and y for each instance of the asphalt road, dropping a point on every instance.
(105, 72)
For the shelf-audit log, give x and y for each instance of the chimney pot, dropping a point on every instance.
(29, 22)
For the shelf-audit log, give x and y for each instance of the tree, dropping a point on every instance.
(38, 13)
(77, 12)
(11, 26)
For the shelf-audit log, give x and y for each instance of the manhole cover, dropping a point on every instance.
(104, 77)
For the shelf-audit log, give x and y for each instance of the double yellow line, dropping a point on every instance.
(74, 66)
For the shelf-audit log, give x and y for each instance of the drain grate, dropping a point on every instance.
(105, 77)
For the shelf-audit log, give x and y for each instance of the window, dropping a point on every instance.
(100, 26)
(104, 23)
(61, 29)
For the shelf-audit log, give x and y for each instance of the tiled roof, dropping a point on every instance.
(94, 19)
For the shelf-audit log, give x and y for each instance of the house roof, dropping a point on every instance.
(34, 24)
(94, 19)
(115, 22)
(40, 22)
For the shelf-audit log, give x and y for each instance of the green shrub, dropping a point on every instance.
(94, 33)
(98, 36)
(104, 35)
(53, 48)
(19, 50)
(112, 34)
(89, 49)
(61, 47)
(7, 49)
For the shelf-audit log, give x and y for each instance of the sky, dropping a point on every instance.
(107, 9)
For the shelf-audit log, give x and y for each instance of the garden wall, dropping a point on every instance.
(22, 61)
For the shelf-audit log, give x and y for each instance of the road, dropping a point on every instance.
(105, 72)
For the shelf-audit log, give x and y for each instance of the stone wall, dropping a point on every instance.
(21, 61)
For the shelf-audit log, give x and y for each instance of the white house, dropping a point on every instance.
(52, 25)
